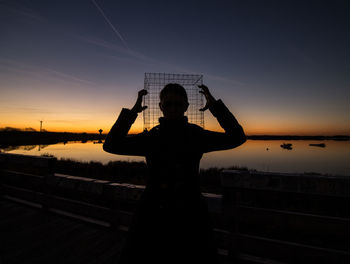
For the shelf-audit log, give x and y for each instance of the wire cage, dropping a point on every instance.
(155, 82)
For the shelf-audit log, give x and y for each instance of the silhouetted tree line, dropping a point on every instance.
(10, 136)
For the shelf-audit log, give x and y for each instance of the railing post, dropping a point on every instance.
(46, 186)
(230, 213)
(2, 164)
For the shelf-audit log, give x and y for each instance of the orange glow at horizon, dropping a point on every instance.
(92, 122)
(137, 127)
(249, 132)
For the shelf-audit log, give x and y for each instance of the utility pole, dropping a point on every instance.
(41, 126)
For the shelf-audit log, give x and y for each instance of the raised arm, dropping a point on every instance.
(118, 141)
(233, 136)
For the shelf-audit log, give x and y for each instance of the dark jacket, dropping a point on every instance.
(173, 150)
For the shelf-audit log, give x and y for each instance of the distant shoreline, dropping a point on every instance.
(15, 138)
(11, 138)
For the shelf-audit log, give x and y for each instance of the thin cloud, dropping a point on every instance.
(70, 77)
(110, 24)
(21, 11)
(225, 79)
(145, 59)
(69, 121)
(26, 110)
(136, 55)
(38, 71)
(103, 44)
(113, 47)
(34, 110)
(298, 53)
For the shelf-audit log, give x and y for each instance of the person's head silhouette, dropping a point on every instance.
(173, 101)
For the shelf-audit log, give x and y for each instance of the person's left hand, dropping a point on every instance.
(210, 99)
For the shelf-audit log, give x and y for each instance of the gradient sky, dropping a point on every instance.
(282, 67)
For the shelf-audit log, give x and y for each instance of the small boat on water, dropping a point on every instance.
(321, 145)
(287, 146)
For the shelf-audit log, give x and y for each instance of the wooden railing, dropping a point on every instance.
(287, 218)
(31, 180)
(261, 217)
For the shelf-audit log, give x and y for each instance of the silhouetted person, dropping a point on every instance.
(172, 223)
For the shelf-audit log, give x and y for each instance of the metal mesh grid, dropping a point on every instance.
(155, 82)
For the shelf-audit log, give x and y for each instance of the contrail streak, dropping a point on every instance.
(111, 25)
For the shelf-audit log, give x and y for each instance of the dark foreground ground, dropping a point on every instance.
(29, 235)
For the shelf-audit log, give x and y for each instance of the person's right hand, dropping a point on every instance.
(138, 108)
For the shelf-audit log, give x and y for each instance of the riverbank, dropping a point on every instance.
(15, 138)
(136, 172)
(132, 172)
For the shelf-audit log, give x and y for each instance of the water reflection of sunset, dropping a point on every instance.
(253, 155)
(303, 158)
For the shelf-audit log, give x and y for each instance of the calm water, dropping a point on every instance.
(333, 159)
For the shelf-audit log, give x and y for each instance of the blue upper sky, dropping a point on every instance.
(280, 66)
